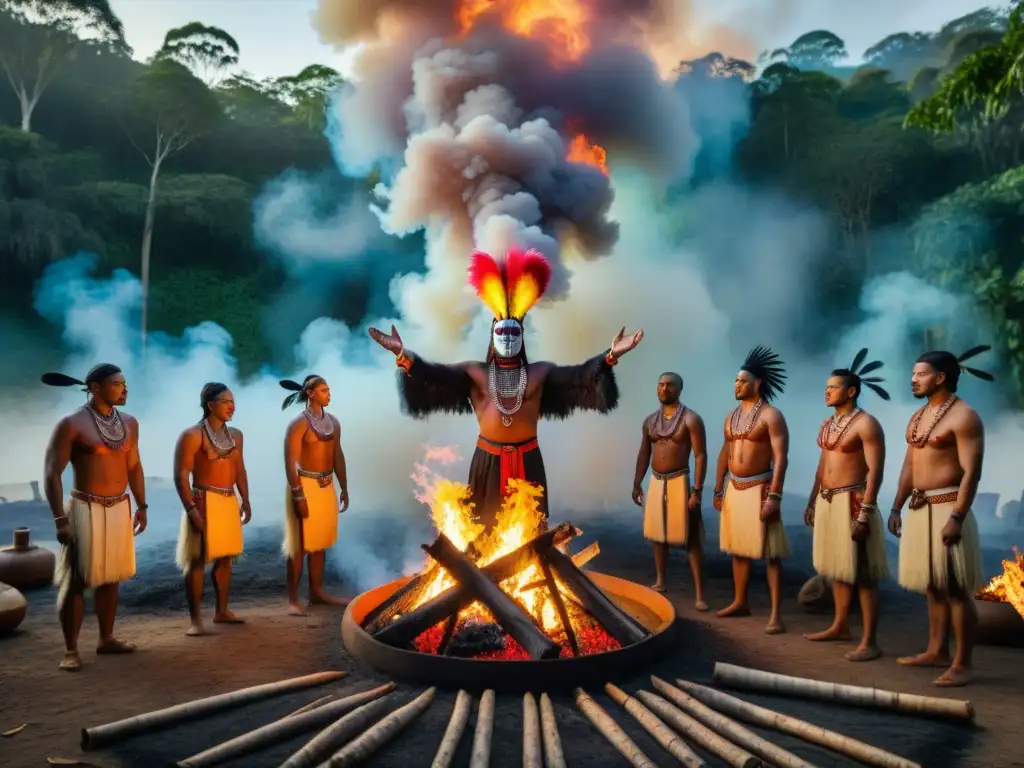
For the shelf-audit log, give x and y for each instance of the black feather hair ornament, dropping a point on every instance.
(857, 370)
(765, 365)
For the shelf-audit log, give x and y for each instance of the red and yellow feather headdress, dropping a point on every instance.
(510, 287)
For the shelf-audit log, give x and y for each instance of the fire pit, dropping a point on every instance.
(526, 618)
(1000, 605)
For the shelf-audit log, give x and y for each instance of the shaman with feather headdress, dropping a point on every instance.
(940, 546)
(849, 534)
(507, 393)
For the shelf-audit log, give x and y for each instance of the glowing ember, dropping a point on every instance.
(561, 24)
(1007, 587)
(582, 151)
(519, 521)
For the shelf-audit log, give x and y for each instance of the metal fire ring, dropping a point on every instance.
(654, 609)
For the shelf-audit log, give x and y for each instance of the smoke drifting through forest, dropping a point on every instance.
(734, 286)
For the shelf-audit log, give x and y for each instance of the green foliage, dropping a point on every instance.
(820, 49)
(973, 239)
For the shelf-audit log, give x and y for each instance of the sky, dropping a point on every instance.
(276, 37)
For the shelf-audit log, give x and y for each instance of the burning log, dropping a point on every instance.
(481, 754)
(736, 733)
(334, 737)
(410, 625)
(399, 601)
(512, 618)
(532, 754)
(381, 733)
(616, 622)
(662, 734)
(608, 728)
(453, 733)
(553, 755)
(580, 559)
(837, 693)
(809, 732)
(563, 614)
(280, 730)
(100, 736)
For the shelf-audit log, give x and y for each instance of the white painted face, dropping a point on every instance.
(507, 338)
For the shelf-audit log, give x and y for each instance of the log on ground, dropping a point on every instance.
(480, 757)
(743, 678)
(100, 736)
(360, 748)
(615, 621)
(730, 729)
(281, 730)
(554, 757)
(608, 728)
(767, 718)
(411, 624)
(335, 736)
(661, 733)
(508, 613)
(699, 734)
(453, 733)
(533, 753)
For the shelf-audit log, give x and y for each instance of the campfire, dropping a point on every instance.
(513, 593)
(1007, 587)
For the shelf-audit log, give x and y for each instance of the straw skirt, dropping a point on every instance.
(742, 534)
(667, 518)
(222, 534)
(836, 554)
(925, 561)
(317, 532)
(103, 547)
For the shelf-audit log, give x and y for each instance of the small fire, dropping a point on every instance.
(581, 150)
(1007, 587)
(519, 521)
(561, 24)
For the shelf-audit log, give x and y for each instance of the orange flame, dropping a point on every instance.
(1007, 587)
(581, 150)
(560, 24)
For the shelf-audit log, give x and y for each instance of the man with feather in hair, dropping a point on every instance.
(507, 393)
(95, 525)
(849, 534)
(755, 455)
(312, 458)
(940, 546)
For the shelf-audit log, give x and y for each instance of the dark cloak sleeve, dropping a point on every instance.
(428, 388)
(590, 386)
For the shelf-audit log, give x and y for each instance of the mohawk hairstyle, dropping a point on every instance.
(764, 364)
(855, 373)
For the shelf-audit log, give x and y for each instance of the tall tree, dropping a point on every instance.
(819, 49)
(171, 107)
(251, 101)
(39, 37)
(307, 93)
(207, 51)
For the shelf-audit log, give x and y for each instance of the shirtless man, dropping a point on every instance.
(849, 535)
(940, 475)
(507, 394)
(312, 458)
(208, 466)
(96, 530)
(756, 455)
(672, 515)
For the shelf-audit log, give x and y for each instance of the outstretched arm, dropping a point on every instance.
(590, 386)
(425, 387)
(428, 388)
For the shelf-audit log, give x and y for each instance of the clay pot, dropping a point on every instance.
(816, 594)
(24, 565)
(12, 609)
(999, 624)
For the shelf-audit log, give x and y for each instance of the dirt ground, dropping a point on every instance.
(170, 668)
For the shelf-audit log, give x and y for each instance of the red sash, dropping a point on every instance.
(512, 467)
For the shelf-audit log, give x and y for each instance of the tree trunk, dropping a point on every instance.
(147, 239)
(28, 106)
